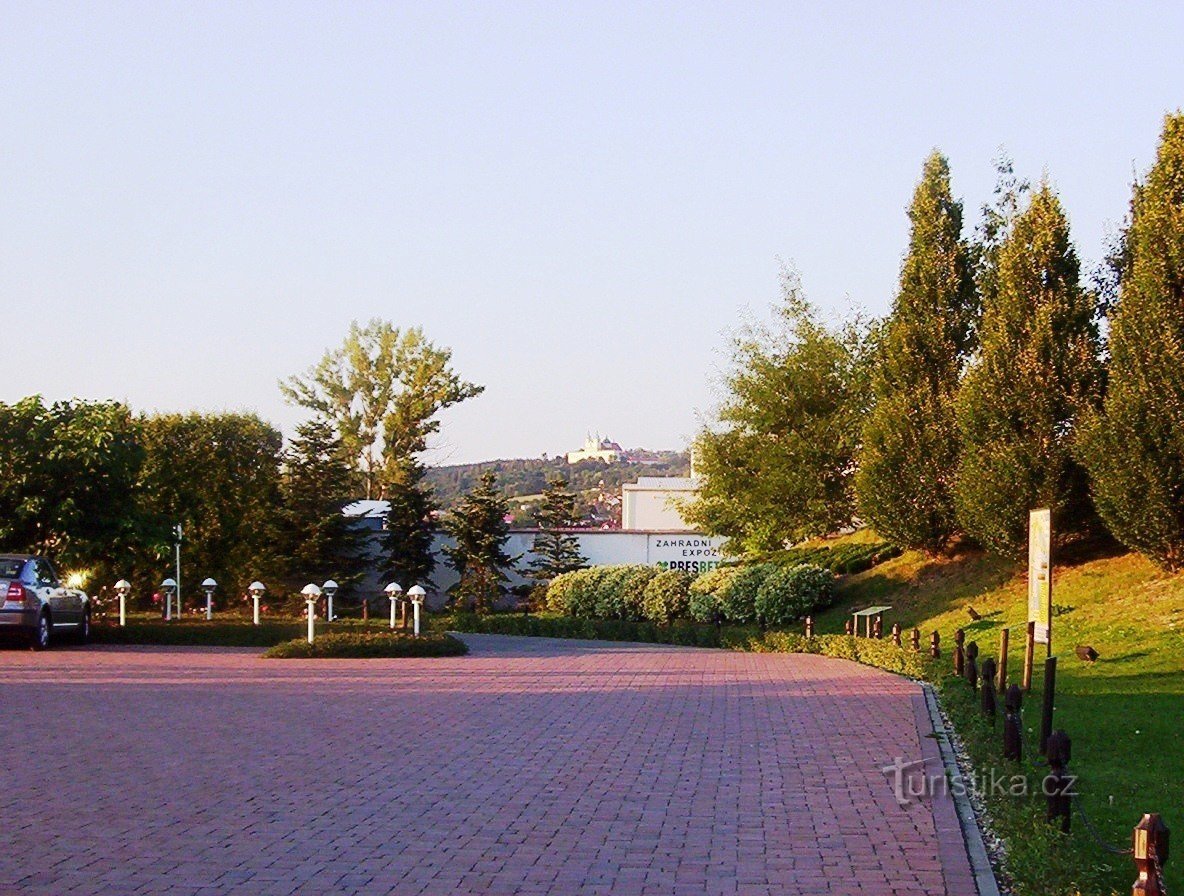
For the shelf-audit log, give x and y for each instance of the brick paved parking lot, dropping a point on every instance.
(529, 766)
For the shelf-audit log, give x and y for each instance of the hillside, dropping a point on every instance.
(529, 476)
(1123, 712)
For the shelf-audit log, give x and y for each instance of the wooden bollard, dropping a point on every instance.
(365, 609)
(1058, 785)
(1029, 652)
(1149, 843)
(849, 627)
(1004, 637)
(959, 653)
(896, 633)
(972, 664)
(1050, 689)
(809, 626)
(988, 691)
(916, 640)
(935, 645)
(1013, 744)
(878, 628)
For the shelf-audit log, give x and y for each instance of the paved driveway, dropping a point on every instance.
(529, 766)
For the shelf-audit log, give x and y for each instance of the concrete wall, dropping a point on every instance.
(650, 503)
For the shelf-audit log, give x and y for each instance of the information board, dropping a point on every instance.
(1040, 573)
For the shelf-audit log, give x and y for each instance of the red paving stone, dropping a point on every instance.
(528, 767)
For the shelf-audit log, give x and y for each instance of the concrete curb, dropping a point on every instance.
(976, 849)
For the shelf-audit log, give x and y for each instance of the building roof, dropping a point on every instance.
(367, 509)
(662, 483)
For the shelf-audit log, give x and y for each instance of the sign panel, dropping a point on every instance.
(1040, 573)
(689, 553)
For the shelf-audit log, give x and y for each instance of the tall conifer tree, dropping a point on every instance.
(410, 525)
(1037, 372)
(909, 457)
(555, 550)
(479, 527)
(1135, 448)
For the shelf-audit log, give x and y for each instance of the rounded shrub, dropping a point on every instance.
(666, 596)
(621, 591)
(585, 591)
(559, 592)
(737, 596)
(789, 593)
(703, 598)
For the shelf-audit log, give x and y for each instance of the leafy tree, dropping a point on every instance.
(909, 458)
(68, 477)
(315, 540)
(778, 466)
(555, 550)
(1134, 448)
(382, 388)
(479, 530)
(1038, 371)
(410, 528)
(219, 476)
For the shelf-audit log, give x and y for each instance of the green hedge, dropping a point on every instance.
(666, 596)
(195, 632)
(842, 559)
(364, 644)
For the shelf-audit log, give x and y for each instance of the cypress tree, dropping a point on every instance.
(1037, 372)
(1134, 448)
(556, 551)
(909, 457)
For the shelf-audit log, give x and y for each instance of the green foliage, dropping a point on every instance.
(556, 551)
(219, 476)
(68, 476)
(314, 540)
(704, 603)
(368, 645)
(198, 632)
(778, 466)
(788, 593)
(407, 556)
(666, 596)
(1037, 373)
(622, 590)
(737, 594)
(383, 389)
(842, 559)
(479, 531)
(909, 456)
(1134, 448)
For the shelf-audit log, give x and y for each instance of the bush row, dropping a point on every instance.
(372, 644)
(768, 593)
(872, 652)
(842, 559)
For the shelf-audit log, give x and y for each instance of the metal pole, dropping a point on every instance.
(122, 609)
(178, 530)
(329, 609)
(209, 606)
(416, 605)
(256, 597)
(312, 617)
(392, 614)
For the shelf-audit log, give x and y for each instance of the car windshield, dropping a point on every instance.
(10, 568)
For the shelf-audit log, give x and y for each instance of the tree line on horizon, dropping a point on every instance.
(1000, 381)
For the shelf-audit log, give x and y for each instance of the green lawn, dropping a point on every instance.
(1125, 713)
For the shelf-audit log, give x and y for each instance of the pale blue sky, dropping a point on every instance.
(580, 199)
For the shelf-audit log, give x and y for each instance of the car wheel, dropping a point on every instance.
(41, 635)
(84, 629)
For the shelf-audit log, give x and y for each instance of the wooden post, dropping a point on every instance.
(1050, 687)
(896, 633)
(366, 610)
(1150, 851)
(878, 628)
(849, 627)
(959, 653)
(988, 693)
(1058, 786)
(935, 645)
(854, 629)
(916, 640)
(809, 626)
(1004, 638)
(1029, 652)
(1013, 744)
(972, 665)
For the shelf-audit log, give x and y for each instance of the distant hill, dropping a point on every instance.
(529, 476)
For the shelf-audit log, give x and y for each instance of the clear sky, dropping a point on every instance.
(580, 199)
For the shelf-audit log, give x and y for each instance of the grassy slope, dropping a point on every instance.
(1125, 713)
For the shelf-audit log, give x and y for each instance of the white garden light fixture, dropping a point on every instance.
(330, 588)
(256, 590)
(123, 588)
(311, 593)
(209, 586)
(169, 587)
(417, 594)
(393, 590)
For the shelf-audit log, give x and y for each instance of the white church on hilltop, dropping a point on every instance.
(596, 448)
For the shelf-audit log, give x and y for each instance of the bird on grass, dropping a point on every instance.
(1087, 654)
(974, 614)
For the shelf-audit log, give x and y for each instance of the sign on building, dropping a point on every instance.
(1040, 573)
(689, 553)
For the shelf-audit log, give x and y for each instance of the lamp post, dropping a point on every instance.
(330, 588)
(209, 586)
(169, 587)
(311, 594)
(417, 594)
(123, 587)
(256, 589)
(393, 590)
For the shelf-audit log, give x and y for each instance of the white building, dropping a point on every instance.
(596, 448)
(651, 503)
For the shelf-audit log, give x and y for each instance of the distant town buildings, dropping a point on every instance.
(596, 448)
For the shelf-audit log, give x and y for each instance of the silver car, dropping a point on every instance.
(36, 606)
